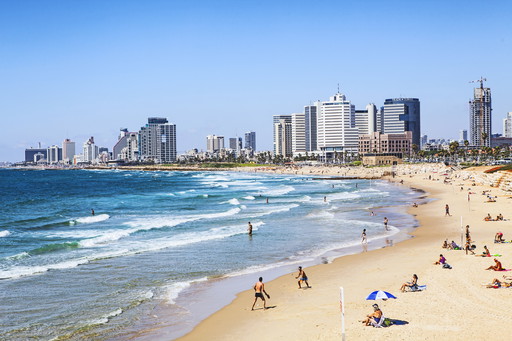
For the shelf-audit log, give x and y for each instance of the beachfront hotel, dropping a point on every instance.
(283, 135)
(157, 140)
(507, 125)
(480, 125)
(336, 127)
(298, 133)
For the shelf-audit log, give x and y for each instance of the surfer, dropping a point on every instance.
(92, 211)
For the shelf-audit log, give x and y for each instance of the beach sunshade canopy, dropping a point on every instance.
(379, 295)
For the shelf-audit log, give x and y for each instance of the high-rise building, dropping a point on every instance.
(463, 135)
(400, 115)
(283, 136)
(298, 133)
(366, 120)
(235, 143)
(507, 125)
(120, 144)
(68, 151)
(157, 141)
(424, 140)
(214, 143)
(131, 151)
(336, 126)
(282, 120)
(250, 140)
(54, 154)
(480, 125)
(90, 151)
(310, 126)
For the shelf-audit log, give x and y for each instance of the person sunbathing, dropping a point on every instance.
(496, 283)
(488, 218)
(499, 217)
(445, 244)
(491, 199)
(496, 267)
(410, 284)
(498, 238)
(441, 260)
(454, 246)
(486, 252)
(375, 316)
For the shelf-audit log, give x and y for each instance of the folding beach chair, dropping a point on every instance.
(379, 324)
(416, 288)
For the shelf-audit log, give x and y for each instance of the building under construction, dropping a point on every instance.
(480, 116)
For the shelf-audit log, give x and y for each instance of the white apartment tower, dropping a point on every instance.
(298, 133)
(507, 125)
(282, 134)
(214, 143)
(366, 120)
(90, 151)
(283, 137)
(157, 141)
(337, 131)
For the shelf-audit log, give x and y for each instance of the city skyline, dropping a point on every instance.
(75, 70)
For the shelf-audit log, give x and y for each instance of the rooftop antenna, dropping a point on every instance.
(338, 87)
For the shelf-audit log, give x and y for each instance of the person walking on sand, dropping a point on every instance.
(259, 289)
(386, 223)
(363, 237)
(249, 229)
(447, 211)
(302, 277)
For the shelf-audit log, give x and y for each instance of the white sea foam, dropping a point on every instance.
(275, 210)
(90, 219)
(4, 233)
(173, 290)
(233, 201)
(342, 196)
(106, 318)
(249, 197)
(281, 190)
(322, 214)
(18, 256)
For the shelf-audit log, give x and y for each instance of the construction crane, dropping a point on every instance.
(481, 116)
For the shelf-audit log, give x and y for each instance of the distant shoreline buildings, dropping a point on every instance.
(334, 128)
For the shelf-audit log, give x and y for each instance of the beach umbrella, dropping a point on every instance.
(380, 295)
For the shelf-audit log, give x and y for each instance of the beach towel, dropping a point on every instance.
(505, 270)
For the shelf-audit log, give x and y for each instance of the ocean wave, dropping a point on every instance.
(107, 317)
(90, 219)
(4, 233)
(320, 215)
(18, 256)
(233, 201)
(53, 248)
(173, 290)
(282, 190)
(249, 197)
(342, 196)
(275, 210)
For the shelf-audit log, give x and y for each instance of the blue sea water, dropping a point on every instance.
(66, 274)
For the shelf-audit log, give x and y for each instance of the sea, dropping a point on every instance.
(166, 249)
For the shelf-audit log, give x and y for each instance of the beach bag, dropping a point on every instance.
(387, 322)
(447, 266)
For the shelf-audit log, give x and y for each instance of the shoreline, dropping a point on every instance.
(228, 286)
(315, 313)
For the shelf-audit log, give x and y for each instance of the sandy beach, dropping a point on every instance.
(456, 304)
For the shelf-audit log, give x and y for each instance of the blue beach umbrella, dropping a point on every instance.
(380, 295)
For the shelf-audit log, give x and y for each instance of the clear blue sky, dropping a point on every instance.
(74, 69)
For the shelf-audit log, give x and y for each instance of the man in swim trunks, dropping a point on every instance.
(302, 277)
(496, 267)
(386, 223)
(249, 229)
(259, 289)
